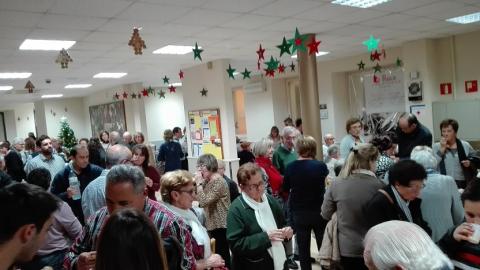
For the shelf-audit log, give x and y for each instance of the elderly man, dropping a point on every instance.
(125, 188)
(46, 159)
(114, 138)
(329, 139)
(93, 197)
(85, 173)
(285, 153)
(26, 217)
(411, 133)
(128, 140)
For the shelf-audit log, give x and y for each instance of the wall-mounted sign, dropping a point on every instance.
(445, 89)
(471, 86)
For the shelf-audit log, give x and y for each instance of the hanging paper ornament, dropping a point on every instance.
(63, 58)
(150, 90)
(269, 72)
(197, 52)
(376, 79)
(375, 56)
(180, 74)
(230, 72)
(361, 65)
(172, 89)
(260, 53)
(137, 42)
(246, 74)
(125, 95)
(133, 95)
(371, 43)
(377, 68)
(204, 92)
(281, 68)
(139, 95)
(116, 96)
(399, 62)
(298, 42)
(292, 67)
(284, 47)
(161, 94)
(258, 65)
(145, 92)
(272, 64)
(29, 86)
(313, 46)
(166, 80)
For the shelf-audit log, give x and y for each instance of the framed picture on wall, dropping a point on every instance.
(109, 117)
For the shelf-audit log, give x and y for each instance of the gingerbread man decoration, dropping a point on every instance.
(63, 58)
(137, 42)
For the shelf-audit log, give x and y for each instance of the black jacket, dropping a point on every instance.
(406, 142)
(462, 251)
(14, 166)
(380, 209)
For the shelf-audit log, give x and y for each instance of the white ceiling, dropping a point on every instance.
(224, 28)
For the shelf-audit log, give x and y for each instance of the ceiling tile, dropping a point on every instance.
(61, 34)
(326, 12)
(206, 17)
(321, 27)
(249, 21)
(359, 15)
(443, 10)
(91, 8)
(403, 5)
(289, 25)
(219, 33)
(235, 5)
(184, 3)
(19, 19)
(152, 12)
(107, 37)
(70, 22)
(393, 20)
(286, 8)
(27, 5)
(9, 32)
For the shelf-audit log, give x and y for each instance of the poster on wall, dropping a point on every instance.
(205, 132)
(388, 95)
(109, 117)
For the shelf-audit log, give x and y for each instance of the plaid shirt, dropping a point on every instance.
(167, 223)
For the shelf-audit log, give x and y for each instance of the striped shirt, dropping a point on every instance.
(167, 223)
(53, 165)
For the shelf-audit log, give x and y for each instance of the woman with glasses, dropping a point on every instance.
(178, 193)
(214, 197)
(141, 159)
(400, 199)
(256, 227)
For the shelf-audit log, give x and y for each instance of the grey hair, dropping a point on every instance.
(127, 174)
(17, 140)
(220, 163)
(399, 243)
(424, 156)
(114, 137)
(333, 150)
(260, 148)
(209, 161)
(118, 153)
(289, 130)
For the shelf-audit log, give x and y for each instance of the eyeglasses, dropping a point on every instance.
(416, 187)
(190, 192)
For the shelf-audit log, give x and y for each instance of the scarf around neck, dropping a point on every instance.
(461, 157)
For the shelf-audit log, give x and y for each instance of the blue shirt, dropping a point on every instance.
(93, 197)
(53, 165)
(347, 143)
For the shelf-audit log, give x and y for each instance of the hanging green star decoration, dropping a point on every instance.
(246, 74)
(150, 90)
(298, 42)
(161, 94)
(166, 80)
(377, 68)
(284, 47)
(204, 92)
(361, 65)
(399, 62)
(272, 63)
(230, 72)
(197, 52)
(371, 43)
(133, 95)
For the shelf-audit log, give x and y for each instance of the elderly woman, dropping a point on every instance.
(452, 154)
(402, 245)
(305, 180)
(387, 150)
(354, 137)
(213, 196)
(400, 199)
(256, 225)
(141, 158)
(170, 153)
(357, 177)
(178, 193)
(441, 205)
(263, 151)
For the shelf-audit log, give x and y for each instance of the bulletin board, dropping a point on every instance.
(387, 95)
(206, 132)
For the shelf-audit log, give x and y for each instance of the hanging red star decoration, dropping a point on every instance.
(180, 74)
(375, 56)
(292, 67)
(125, 95)
(145, 92)
(172, 88)
(260, 53)
(281, 68)
(269, 72)
(29, 86)
(376, 79)
(313, 46)
(116, 96)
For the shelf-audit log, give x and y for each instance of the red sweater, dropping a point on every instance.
(274, 177)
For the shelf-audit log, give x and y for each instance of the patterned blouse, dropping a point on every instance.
(215, 200)
(384, 163)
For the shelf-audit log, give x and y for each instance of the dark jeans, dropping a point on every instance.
(304, 222)
(221, 244)
(54, 259)
(353, 263)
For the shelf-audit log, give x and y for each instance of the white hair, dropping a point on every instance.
(424, 156)
(260, 148)
(399, 243)
(288, 130)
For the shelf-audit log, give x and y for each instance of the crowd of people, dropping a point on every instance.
(110, 202)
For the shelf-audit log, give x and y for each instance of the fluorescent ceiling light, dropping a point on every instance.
(317, 54)
(70, 86)
(52, 96)
(5, 87)
(235, 73)
(15, 75)
(359, 3)
(46, 45)
(470, 18)
(174, 49)
(110, 75)
(177, 84)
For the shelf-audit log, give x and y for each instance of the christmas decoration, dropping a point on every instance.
(204, 92)
(172, 88)
(125, 95)
(399, 62)
(377, 68)
(116, 96)
(230, 72)
(371, 43)
(376, 79)
(375, 56)
(281, 68)
(166, 80)
(66, 134)
(63, 58)
(197, 52)
(292, 67)
(161, 94)
(298, 42)
(137, 42)
(269, 72)
(180, 74)
(133, 95)
(272, 63)
(260, 53)
(246, 74)
(145, 92)
(150, 90)
(361, 65)
(139, 95)
(284, 47)
(313, 46)
(29, 86)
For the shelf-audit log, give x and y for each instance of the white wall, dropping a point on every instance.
(72, 109)
(259, 114)
(26, 123)
(10, 124)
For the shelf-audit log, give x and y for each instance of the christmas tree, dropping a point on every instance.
(66, 134)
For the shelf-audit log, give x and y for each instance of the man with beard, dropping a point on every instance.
(85, 173)
(46, 159)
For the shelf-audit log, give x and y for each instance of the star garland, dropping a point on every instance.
(313, 46)
(161, 94)
(284, 47)
(246, 74)
(204, 92)
(361, 65)
(180, 74)
(298, 42)
(166, 80)
(172, 88)
(292, 67)
(272, 63)
(197, 52)
(371, 43)
(230, 72)
(281, 68)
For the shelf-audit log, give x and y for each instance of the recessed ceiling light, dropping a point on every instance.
(317, 54)
(359, 3)
(5, 87)
(174, 49)
(70, 86)
(15, 75)
(46, 45)
(465, 19)
(177, 84)
(52, 96)
(110, 75)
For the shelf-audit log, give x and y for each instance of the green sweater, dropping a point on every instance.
(282, 157)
